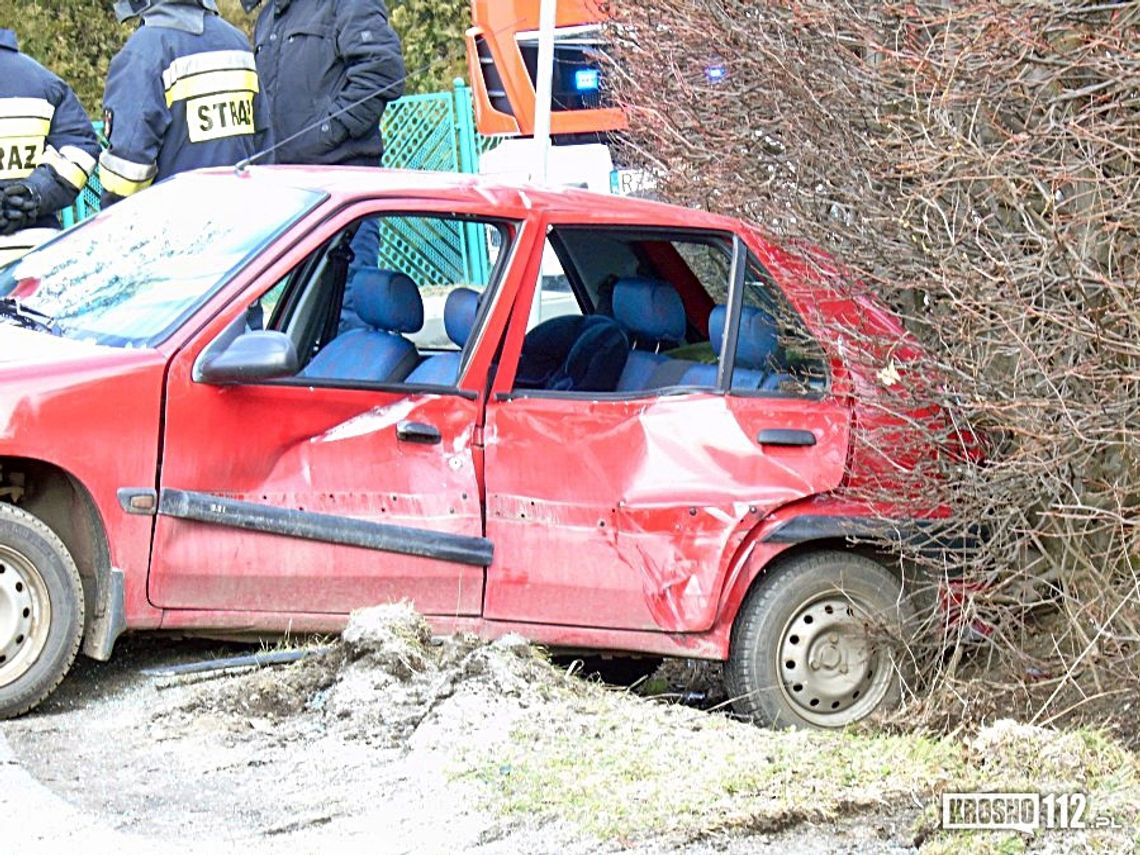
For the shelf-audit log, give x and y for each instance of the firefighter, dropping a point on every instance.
(330, 67)
(47, 150)
(183, 93)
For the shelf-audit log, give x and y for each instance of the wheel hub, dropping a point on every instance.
(831, 671)
(25, 614)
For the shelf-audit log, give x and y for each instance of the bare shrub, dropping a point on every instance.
(977, 165)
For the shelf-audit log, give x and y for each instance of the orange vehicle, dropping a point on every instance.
(502, 55)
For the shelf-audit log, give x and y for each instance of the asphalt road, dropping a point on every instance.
(36, 820)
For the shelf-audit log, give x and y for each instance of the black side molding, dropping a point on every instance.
(809, 527)
(326, 528)
(931, 537)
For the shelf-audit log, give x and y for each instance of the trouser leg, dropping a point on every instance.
(366, 251)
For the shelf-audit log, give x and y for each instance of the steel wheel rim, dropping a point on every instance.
(830, 671)
(25, 614)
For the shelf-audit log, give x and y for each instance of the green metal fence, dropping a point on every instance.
(432, 132)
(435, 132)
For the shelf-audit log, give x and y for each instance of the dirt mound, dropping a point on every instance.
(383, 679)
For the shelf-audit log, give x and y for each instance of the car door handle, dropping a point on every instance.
(420, 432)
(785, 436)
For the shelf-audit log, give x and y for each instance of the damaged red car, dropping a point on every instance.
(606, 424)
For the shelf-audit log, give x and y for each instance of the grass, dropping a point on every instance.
(621, 768)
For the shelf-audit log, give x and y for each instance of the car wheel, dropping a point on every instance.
(815, 643)
(41, 611)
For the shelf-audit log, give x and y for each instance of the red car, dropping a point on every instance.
(606, 424)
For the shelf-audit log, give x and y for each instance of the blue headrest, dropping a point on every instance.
(459, 314)
(387, 300)
(758, 340)
(650, 309)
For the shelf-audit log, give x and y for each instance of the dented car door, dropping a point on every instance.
(625, 510)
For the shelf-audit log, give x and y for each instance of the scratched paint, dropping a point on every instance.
(630, 525)
(337, 453)
(633, 523)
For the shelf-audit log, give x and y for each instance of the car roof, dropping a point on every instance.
(346, 183)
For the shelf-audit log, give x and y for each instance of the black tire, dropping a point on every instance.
(41, 611)
(816, 642)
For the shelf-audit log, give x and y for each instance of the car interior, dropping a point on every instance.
(620, 311)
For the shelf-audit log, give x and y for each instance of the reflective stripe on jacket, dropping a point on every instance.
(46, 139)
(176, 101)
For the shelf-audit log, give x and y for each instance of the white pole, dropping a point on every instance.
(543, 87)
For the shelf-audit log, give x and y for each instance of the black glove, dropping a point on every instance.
(21, 207)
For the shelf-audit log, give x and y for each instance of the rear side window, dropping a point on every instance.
(664, 295)
(799, 359)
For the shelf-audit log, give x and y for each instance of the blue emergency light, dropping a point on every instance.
(587, 80)
(716, 73)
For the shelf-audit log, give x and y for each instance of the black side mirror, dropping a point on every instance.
(252, 356)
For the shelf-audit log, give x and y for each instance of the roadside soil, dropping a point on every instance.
(392, 742)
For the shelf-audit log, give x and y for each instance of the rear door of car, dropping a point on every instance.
(622, 509)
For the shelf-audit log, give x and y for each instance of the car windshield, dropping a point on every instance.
(134, 273)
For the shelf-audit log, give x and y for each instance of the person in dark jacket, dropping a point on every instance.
(183, 93)
(329, 68)
(47, 150)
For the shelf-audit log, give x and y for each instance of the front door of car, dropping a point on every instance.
(620, 507)
(353, 482)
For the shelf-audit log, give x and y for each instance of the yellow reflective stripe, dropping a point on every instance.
(24, 126)
(212, 82)
(213, 60)
(26, 108)
(128, 169)
(19, 156)
(215, 117)
(70, 172)
(79, 157)
(124, 177)
(120, 186)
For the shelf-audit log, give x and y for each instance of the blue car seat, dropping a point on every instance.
(756, 351)
(389, 304)
(653, 316)
(442, 369)
(573, 353)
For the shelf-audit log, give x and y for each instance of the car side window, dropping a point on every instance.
(642, 324)
(652, 315)
(794, 361)
(404, 320)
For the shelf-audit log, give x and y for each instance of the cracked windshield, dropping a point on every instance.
(127, 277)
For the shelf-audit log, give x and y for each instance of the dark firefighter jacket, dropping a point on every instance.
(175, 101)
(317, 60)
(46, 140)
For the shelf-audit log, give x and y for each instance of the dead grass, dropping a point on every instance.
(620, 768)
(545, 747)
(617, 766)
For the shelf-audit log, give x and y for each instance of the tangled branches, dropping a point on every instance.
(977, 164)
